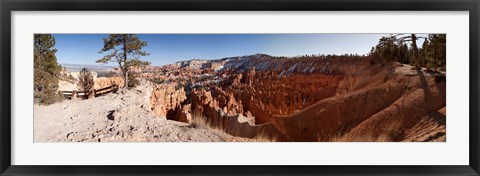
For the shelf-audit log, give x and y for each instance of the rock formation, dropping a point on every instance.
(307, 99)
(165, 99)
(105, 82)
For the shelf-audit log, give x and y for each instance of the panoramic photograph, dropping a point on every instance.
(299, 87)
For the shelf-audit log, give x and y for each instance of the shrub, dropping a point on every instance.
(132, 80)
(85, 80)
(199, 120)
(263, 136)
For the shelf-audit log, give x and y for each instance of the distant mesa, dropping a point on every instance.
(96, 68)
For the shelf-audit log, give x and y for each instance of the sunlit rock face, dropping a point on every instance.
(105, 82)
(166, 98)
(305, 98)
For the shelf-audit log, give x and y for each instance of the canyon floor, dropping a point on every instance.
(124, 116)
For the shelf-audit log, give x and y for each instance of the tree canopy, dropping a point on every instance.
(46, 70)
(85, 80)
(394, 48)
(126, 50)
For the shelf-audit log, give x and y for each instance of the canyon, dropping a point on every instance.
(260, 98)
(305, 98)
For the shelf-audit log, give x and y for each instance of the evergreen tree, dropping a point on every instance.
(432, 54)
(85, 80)
(386, 50)
(46, 70)
(437, 50)
(125, 49)
(403, 54)
(403, 38)
(425, 54)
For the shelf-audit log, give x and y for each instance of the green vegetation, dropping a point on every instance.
(132, 80)
(46, 70)
(435, 51)
(394, 48)
(85, 80)
(125, 49)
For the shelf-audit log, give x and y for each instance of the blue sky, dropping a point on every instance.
(170, 48)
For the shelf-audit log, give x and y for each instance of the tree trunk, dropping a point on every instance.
(74, 95)
(415, 51)
(91, 94)
(435, 54)
(125, 60)
(126, 78)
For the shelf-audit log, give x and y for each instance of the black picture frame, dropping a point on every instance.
(7, 6)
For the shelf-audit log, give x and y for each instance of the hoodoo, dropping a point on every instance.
(311, 99)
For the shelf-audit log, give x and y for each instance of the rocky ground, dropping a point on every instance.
(116, 117)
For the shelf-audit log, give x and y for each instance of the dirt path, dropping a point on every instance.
(117, 117)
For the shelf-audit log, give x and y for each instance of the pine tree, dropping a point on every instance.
(125, 49)
(46, 70)
(432, 54)
(425, 54)
(85, 80)
(386, 50)
(403, 38)
(403, 54)
(437, 50)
